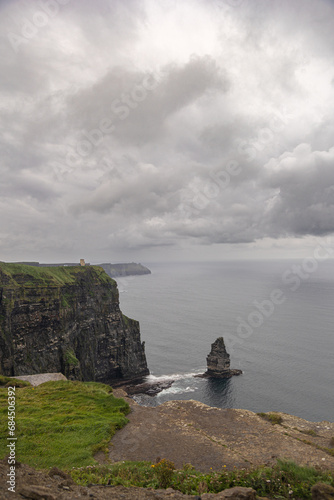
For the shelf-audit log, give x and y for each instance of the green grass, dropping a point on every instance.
(6, 381)
(126, 320)
(284, 480)
(62, 423)
(309, 432)
(271, 417)
(70, 358)
(28, 276)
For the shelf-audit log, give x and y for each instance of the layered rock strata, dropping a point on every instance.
(67, 320)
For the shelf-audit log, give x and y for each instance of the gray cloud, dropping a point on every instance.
(128, 128)
(304, 203)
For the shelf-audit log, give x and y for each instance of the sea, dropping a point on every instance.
(277, 319)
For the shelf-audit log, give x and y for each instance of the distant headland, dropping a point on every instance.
(113, 270)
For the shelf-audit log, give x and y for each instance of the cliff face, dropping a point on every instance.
(68, 320)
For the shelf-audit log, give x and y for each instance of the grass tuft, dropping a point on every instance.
(14, 382)
(271, 417)
(309, 432)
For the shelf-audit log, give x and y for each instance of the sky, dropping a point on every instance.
(161, 130)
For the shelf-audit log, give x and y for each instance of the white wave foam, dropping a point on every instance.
(176, 390)
(175, 376)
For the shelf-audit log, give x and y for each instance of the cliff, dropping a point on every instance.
(113, 270)
(130, 269)
(68, 320)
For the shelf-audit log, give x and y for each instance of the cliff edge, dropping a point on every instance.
(68, 320)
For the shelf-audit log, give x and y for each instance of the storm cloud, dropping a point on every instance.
(153, 130)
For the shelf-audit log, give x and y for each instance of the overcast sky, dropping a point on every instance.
(149, 130)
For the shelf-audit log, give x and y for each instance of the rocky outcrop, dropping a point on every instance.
(68, 320)
(208, 437)
(40, 378)
(218, 361)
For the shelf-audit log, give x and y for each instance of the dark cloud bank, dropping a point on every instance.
(132, 130)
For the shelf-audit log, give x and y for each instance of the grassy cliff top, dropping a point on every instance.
(78, 419)
(12, 275)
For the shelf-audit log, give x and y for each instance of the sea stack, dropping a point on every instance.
(218, 361)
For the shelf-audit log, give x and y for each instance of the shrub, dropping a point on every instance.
(164, 470)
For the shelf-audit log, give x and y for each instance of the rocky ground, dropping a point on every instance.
(209, 438)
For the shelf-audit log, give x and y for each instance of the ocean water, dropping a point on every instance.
(285, 347)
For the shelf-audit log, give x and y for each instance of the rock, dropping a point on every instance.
(36, 493)
(322, 491)
(40, 378)
(237, 493)
(68, 320)
(218, 362)
(149, 388)
(65, 479)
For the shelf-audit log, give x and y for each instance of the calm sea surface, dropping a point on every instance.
(285, 351)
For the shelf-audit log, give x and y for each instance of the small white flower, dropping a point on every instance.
(290, 492)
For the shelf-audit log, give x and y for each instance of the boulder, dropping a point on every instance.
(236, 493)
(322, 491)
